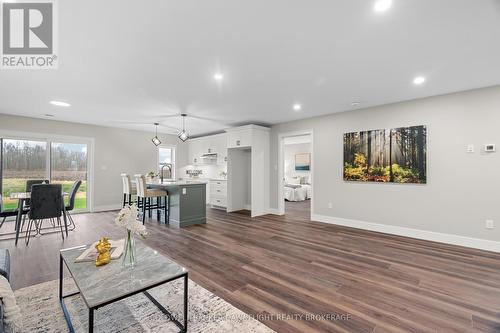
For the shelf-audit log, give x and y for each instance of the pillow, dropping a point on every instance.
(294, 181)
(304, 180)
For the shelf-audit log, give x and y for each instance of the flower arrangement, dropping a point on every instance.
(127, 217)
(151, 174)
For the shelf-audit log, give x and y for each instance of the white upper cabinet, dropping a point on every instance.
(239, 137)
(200, 148)
(194, 151)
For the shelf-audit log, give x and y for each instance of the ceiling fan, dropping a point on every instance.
(182, 134)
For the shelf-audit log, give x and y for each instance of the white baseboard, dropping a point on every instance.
(476, 243)
(274, 211)
(105, 208)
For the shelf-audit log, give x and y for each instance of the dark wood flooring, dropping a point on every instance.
(276, 265)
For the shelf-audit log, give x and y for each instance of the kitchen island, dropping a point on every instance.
(188, 204)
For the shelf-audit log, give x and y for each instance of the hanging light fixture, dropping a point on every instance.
(183, 135)
(155, 140)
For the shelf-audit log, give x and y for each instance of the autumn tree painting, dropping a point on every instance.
(398, 155)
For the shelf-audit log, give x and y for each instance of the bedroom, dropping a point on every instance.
(297, 186)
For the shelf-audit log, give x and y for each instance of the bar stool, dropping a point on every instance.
(144, 196)
(128, 190)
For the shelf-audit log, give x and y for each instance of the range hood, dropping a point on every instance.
(209, 156)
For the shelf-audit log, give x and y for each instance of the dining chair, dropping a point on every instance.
(46, 203)
(128, 189)
(146, 198)
(31, 182)
(71, 202)
(29, 185)
(4, 214)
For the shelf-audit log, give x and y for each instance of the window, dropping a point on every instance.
(21, 160)
(166, 155)
(59, 162)
(68, 163)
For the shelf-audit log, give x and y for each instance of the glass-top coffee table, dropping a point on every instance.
(100, 286)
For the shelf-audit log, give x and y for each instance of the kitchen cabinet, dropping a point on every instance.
(239, 137)
(206, 150)
(248, 169)
(218, 193)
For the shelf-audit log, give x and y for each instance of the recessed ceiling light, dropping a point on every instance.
(382, 5)
(297, 107)
(419, 80)
(59, 103)
(355, 104)
(49, 115)
(218, 77)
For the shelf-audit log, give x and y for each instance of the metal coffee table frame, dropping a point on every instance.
(182, 327)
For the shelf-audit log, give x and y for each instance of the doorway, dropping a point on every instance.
(295, 169)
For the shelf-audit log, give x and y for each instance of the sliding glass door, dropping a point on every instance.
(61, 162)
(21, 160)
(68, 163)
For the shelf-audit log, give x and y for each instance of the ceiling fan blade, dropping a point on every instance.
(206, 119)
(169, 116)
(146, 123)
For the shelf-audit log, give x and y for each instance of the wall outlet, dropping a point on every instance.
(330, 205)
(490, 224)
(490, 148)
(470, 148)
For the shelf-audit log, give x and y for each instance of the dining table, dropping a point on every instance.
(21, 198)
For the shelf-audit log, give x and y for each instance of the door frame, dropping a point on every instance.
(49, 138)
(281, 166)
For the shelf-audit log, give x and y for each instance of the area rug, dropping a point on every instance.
(207, 312)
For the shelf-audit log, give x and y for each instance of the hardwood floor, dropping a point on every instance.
(276, 265)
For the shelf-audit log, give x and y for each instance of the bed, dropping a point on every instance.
(297, 189)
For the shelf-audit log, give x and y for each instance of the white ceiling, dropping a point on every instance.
(124, 62)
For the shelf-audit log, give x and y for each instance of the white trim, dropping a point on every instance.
(106, 208)
(274, 211)
(281, 167)
(476, 243)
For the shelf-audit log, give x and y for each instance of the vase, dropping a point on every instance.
(129, 251)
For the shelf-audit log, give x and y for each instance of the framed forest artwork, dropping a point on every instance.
(302, 162)
(397, 155)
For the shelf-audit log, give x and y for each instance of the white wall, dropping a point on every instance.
(463, 190)
(115, 151)
(289, 153)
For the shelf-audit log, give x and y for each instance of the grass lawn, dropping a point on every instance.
(11, 185)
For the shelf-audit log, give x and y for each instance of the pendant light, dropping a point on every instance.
(183, 135)
(155, 140)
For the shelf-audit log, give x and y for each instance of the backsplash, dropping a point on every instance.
(207, 171)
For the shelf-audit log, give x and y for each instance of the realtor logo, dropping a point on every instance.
(28, 35)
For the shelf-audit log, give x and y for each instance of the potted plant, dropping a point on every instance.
(151, 175)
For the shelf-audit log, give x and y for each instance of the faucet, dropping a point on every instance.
(169, 167)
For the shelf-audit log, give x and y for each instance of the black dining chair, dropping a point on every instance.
(46, 203)
(4, 214)
(29, 185)
(71, 202)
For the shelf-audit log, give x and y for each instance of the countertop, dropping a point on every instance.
(177, 182)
